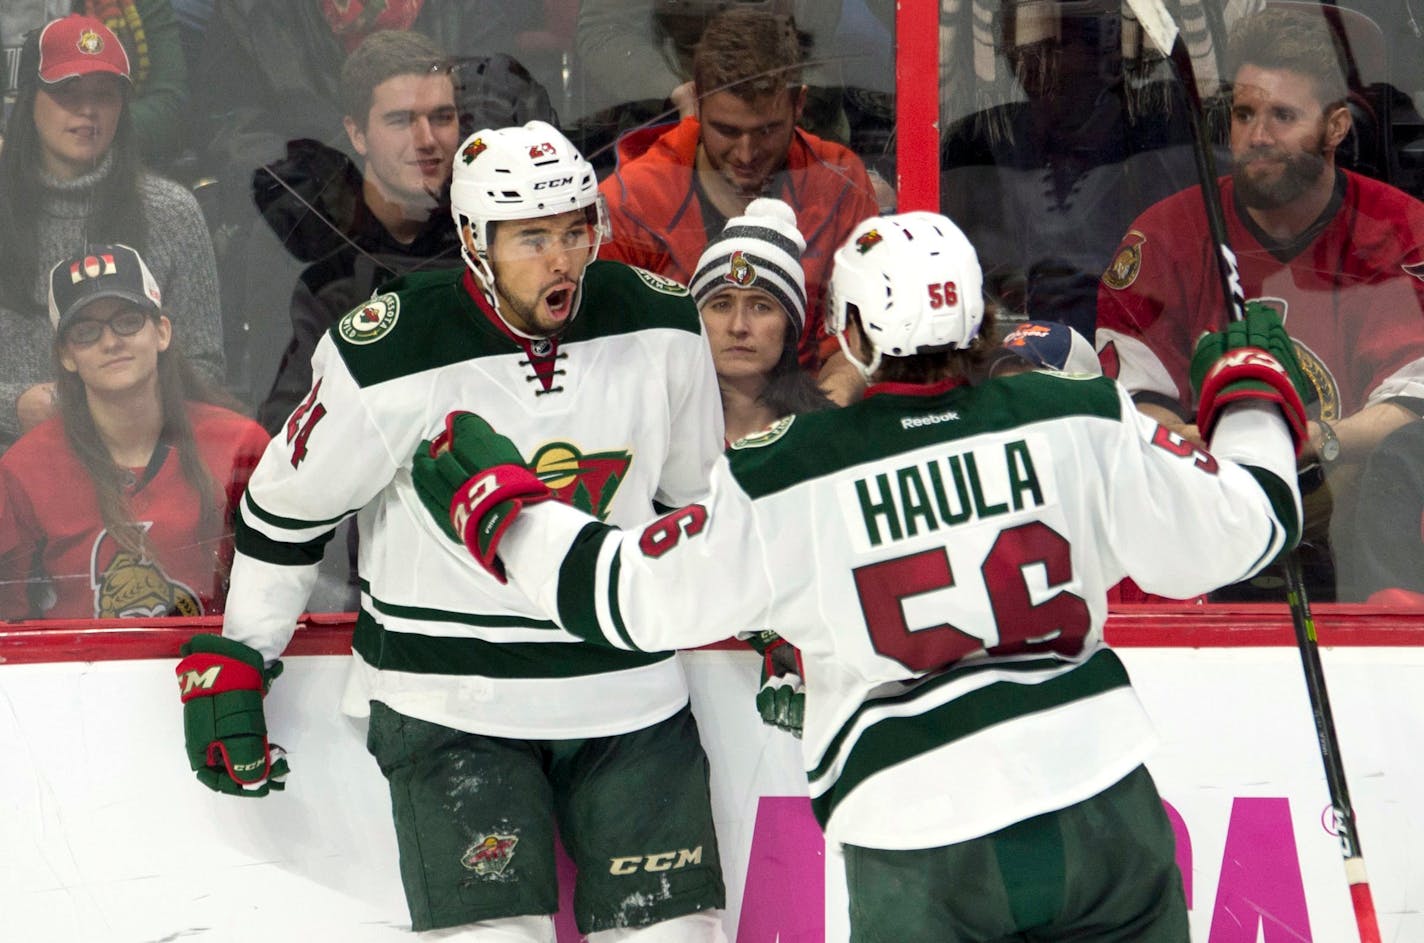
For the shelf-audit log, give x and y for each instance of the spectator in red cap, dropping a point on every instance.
(120, 505)
(157, 65)
(70, 177)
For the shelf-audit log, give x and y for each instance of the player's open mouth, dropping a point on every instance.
(559, 301)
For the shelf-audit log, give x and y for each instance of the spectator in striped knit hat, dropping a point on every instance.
(751, 291)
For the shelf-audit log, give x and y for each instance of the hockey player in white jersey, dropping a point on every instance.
(493, 725)
(940, 552)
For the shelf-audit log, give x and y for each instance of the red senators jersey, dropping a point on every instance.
(1350, 290)
(58, 561)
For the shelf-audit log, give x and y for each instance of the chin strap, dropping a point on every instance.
(867, 370)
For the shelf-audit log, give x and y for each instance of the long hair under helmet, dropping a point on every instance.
(520, 173)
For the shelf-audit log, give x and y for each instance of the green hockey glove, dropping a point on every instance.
(222, 683)
(473, 482)
(1251, 359)
(781, 700)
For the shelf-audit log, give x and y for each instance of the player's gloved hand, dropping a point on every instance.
(222, 683)
(781, 700)
(1251, 359)
(473, 482)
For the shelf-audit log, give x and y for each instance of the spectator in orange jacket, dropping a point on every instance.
(676, 188)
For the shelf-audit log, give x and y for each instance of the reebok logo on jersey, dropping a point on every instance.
(931, 419)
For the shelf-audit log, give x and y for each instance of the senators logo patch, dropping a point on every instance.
(128, 586)
(660, 283)
(742, 271)
(868, 241)
(474, 149)
(370, 322)
(92, 266)
(587, 482)
(490, 855)
(1123, 269)
(90, 43)
(767, 436)
(1322, 379)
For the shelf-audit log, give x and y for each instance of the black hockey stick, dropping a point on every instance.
(1155, 19)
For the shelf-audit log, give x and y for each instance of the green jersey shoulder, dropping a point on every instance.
(428, 320)
(888, 423)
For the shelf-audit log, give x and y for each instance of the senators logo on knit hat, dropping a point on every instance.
(78, 45)
(761, 249)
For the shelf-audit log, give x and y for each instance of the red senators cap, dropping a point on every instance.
(80, 45)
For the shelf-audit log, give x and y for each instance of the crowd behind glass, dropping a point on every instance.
(270, 183)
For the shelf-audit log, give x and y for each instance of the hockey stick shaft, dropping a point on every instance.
(1154, 17)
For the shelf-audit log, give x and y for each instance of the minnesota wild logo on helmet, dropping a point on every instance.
(587, 482)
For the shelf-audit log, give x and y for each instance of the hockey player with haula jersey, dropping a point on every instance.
(940, 553)
(493, 725)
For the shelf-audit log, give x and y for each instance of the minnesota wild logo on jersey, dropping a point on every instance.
(588, 482)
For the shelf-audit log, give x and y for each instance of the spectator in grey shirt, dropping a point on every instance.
(70, 177)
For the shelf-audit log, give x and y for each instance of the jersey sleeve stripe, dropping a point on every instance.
(289, 523)
(254, 543)
(1283, 504)
(578, 599)
(615, 612)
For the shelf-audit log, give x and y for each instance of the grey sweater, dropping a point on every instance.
(179, 252)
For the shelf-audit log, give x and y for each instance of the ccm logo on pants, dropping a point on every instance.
(662, 861)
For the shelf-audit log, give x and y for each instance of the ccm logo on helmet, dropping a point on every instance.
(560, 182)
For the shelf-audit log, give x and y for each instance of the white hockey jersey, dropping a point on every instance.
(620, 412)
(941, 556)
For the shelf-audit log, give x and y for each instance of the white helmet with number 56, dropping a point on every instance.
(914, 281)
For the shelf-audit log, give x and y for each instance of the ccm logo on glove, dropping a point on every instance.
(469, 502)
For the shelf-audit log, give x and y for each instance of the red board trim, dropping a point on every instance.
(1129, 626)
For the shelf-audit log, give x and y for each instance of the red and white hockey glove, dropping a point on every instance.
(1251, 359)
(222, 683)
(473, 482)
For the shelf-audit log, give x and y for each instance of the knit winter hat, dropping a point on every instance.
(759, 250)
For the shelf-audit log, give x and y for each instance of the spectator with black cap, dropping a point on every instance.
(121, 505)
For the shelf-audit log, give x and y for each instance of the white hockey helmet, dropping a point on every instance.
(916, 283)
(520, 173)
